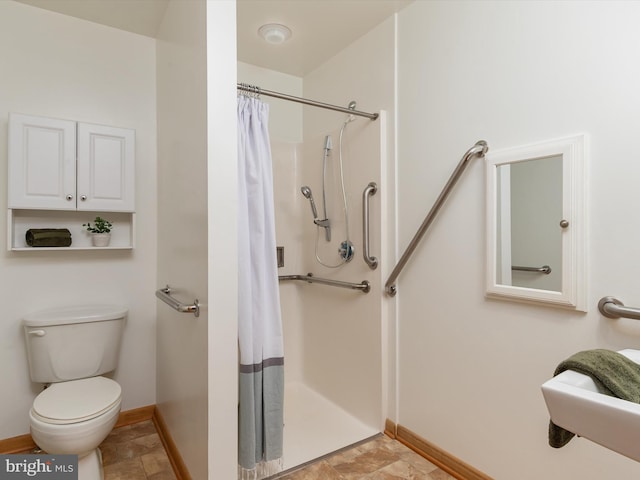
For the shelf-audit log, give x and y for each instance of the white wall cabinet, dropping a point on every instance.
(63, 173)
(64, 165)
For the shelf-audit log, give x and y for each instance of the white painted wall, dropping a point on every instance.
(58, 66)
(511, 73)
(182, 339)
(222, 246)
(285, 117)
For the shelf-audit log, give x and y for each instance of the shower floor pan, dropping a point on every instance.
(314, 426)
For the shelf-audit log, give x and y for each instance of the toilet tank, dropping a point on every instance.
(73, 342)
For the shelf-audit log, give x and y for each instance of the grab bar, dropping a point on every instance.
(164, 294)
(364, 286)
(480, 149)
(371, 189)
(546, 269)
(611, 307)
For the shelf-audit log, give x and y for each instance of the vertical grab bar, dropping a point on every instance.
(371, 189)
(479, 149)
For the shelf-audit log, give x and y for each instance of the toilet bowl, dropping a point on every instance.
(75, 417)
(68, 350)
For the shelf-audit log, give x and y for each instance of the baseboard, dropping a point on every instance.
(179, 467)
(19, 444)
(389, 428)
(136, 415)
(443, 459)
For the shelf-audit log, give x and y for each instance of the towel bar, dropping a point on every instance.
(611, 307)
(164, 294)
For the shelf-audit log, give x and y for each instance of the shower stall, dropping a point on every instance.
(333, 342)
(333, 337)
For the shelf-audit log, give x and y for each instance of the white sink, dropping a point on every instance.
(575, 404)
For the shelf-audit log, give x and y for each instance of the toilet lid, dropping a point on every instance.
(77, 400)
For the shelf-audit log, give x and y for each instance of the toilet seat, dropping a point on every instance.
(76, 401)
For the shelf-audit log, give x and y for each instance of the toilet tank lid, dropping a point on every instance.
(74, 314)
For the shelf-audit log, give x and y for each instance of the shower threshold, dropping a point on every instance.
(284, 473)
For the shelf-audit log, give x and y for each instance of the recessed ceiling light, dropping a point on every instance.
(274, 33)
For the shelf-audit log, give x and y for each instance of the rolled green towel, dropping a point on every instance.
(614, 375)
(48, 237)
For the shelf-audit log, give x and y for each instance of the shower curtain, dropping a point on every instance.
(261, 370)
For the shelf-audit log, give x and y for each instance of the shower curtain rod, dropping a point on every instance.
(259, 91)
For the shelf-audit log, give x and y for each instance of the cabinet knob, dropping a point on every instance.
(83, 197)
(69, 197)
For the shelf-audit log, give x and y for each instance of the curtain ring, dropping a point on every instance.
(251, 91)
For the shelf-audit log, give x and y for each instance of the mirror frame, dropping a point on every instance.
(574, 263)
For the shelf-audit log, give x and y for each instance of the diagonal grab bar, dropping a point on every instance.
(479, 149)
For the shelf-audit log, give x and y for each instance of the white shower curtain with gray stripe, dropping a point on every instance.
(261, 370)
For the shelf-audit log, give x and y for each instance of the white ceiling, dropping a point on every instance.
(138, 16)
(321, 28)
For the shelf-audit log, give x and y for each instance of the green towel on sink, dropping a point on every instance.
(614, 375)
(48, 237)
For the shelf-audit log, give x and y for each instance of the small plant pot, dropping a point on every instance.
(100, 239)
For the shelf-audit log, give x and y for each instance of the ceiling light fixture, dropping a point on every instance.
(274, 33)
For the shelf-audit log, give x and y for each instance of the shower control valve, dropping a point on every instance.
(346, 250)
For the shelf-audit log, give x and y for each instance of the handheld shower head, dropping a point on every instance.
(328, 143)
(306, 191)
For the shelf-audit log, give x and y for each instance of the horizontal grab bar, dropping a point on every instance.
(546, 269)
(363, 286)
(164, 294)
(611, 307)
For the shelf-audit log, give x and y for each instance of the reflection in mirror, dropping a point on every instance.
(530, 212)
(536, 223)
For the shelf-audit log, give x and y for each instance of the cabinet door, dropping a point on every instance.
(42, 163)
(106, 168)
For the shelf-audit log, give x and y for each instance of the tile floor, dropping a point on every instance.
(135, 452)
(378, 459)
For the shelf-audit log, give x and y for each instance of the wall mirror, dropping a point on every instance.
(536, 223)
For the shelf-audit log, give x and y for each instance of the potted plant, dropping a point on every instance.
(100, 231)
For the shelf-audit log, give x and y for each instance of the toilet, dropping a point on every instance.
(68, 350)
